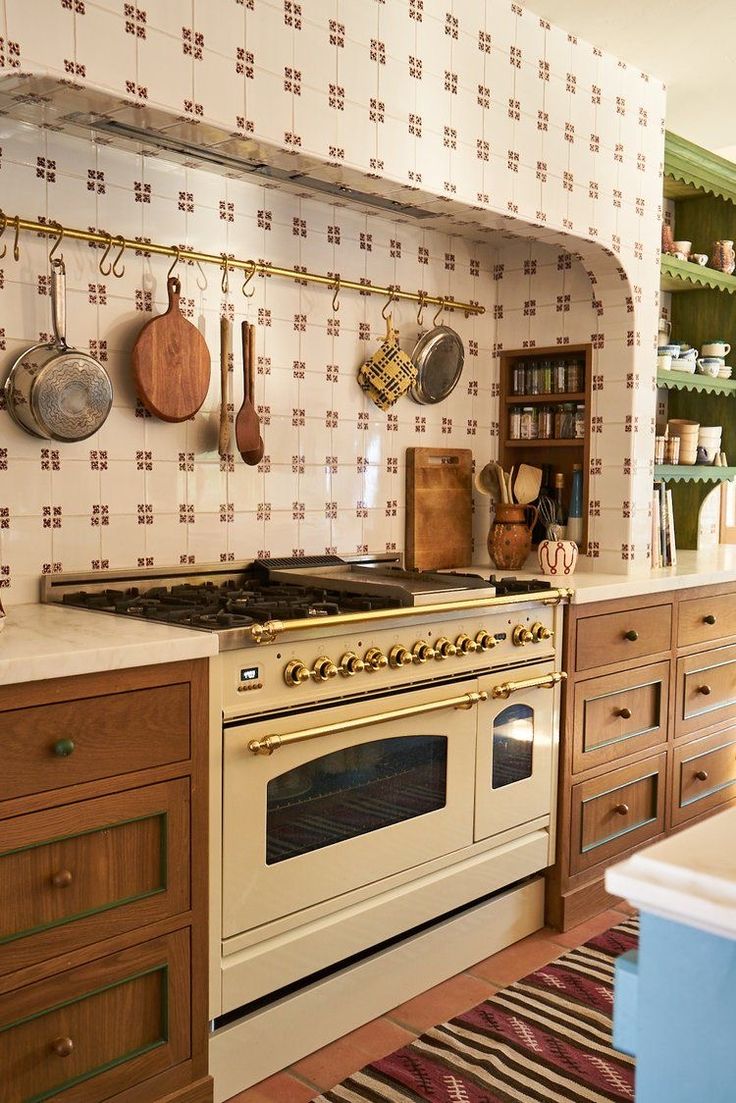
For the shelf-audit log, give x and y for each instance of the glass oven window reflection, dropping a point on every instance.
(513, 745)
(353, 791)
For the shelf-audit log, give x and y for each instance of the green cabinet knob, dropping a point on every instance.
(632, 635)
(63, 747)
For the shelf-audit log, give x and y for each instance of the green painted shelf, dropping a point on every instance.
(684, 473)
(686, 381)
(683, 275)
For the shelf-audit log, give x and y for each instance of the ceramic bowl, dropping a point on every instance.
(673, 350)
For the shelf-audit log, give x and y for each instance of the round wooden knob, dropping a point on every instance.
(632, 635)
(61, 879)
(705, 690)
(624, 713)
(701, 775)
(709, 619)
(62, 1047)
(622, 809)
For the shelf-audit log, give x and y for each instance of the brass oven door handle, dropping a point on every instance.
(545, 681)
(272, 742)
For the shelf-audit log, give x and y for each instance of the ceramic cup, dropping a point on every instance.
(557, 557)
(710, 365)
(673, 350)
(664, 361)
(699, 258)
(715, 348)
(683, 247)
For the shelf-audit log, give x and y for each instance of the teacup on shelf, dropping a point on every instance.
(715, 348)
(687, 360)
(710, 365)
(698, 258)
(683, 247)
(664, 361)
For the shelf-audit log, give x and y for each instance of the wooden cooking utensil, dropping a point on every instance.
(254, 455)
(171, 363)
(528, 483)
(226, 344)
(486, 482)
(247, 425)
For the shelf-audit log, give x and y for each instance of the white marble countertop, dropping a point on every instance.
(46, 641)
(694, 568)
(689, 878)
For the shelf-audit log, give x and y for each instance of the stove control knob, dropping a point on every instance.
(541, 632)
(521, 635)
(464, 645)
(296, 673)
(422, 651)
(375, 659)
(485, 641)
(324, 669)
(443, 648)
(399, 656)
(350, 664)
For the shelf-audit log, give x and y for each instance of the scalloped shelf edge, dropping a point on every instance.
(686, 381)
(695, 474)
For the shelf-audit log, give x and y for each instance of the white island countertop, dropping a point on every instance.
(707, 567)
(49, 641)
(689, 878)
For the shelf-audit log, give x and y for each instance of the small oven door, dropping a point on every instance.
(352, 795)
(517, 741)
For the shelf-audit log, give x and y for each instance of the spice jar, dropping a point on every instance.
(559, 377)
(546, 423)
(529, 422)
(573, 377)
(518, 379)
(546, 372)
(579, 421)
(535, 379)
(515, 423)
(565, 421)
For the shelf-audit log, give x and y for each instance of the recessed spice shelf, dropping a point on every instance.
(683, 275)
(543, 399)
(683, 473)
(567, 442)
(686, 381)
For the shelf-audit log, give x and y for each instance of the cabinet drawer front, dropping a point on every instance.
(619, 637)
(704, 775)
(50, 746)
(706, 619)
(619, 714)
(706, 690)
(97, 1029)
(69, 878)
(617, 811)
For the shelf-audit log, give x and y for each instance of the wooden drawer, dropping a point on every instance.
(706, 690)
(50, 746)
(704, 775)
(618, 714)
(706, 619)
(70, 877)
(617, 811)
(95, 1030)
(621, 637)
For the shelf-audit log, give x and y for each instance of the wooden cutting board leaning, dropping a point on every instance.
(439, 508)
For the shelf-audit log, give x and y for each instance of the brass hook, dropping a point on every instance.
(16, 246)
(106, 271)
(121, 242)
(3, 226)
(336, 296)
(422, 304)
(59, 238)
(203, 284)
(248, 278)
(225, 281)
(387, 306)
(174, 262)
(440, 308)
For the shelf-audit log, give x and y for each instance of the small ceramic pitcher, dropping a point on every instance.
(722, 256)
(510, 538)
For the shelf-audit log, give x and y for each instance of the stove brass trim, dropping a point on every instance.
(271, 743)
(546, 681)
(267, 633)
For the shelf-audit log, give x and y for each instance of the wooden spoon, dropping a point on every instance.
(486, 482)
(247, 425)
(225, 350)
(253, 456)
(528, 483)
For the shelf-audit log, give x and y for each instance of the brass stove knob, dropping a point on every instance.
(399, 656)
(375, 659)
(422, 651)
(296, 672)
(464, 645)
(324, 669)
(443, 648)
(350, 664)
(485, 641)
(521, 635)
(541, 632)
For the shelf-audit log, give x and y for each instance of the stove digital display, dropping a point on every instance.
(248, 674)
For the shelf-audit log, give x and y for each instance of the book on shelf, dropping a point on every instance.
(664, 549)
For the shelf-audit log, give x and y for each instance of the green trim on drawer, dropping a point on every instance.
(131, 1055)
(162, 816)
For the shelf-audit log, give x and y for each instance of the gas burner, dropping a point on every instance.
(513, 585)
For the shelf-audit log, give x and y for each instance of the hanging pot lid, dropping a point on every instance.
(438, 357)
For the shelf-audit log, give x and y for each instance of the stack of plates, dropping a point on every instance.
(725, 372)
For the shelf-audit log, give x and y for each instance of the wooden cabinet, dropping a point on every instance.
(103, 888)
(648, 740)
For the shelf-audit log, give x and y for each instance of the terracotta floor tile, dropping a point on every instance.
(280, 1088)
(442, 1002)
(625, 907)
(516, 961)
(576, 936)
(330, 1065)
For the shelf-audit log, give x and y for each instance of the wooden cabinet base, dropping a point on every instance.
(566, 910)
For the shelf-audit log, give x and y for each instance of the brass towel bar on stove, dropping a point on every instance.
(335, 282)
(544, 681)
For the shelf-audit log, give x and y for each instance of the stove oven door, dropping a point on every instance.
(352, 795)
(517, 748)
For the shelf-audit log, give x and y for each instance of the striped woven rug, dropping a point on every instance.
(544, 1039)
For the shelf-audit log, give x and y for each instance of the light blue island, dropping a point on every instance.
(675, 1001)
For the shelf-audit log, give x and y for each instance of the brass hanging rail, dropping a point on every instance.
(14, 224)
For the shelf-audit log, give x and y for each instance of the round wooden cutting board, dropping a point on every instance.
(171, 363)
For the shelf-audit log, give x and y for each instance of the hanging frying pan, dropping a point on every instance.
(438, 357)
(54, 391)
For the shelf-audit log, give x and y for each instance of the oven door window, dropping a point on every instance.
(352, 792)
(513, 745)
